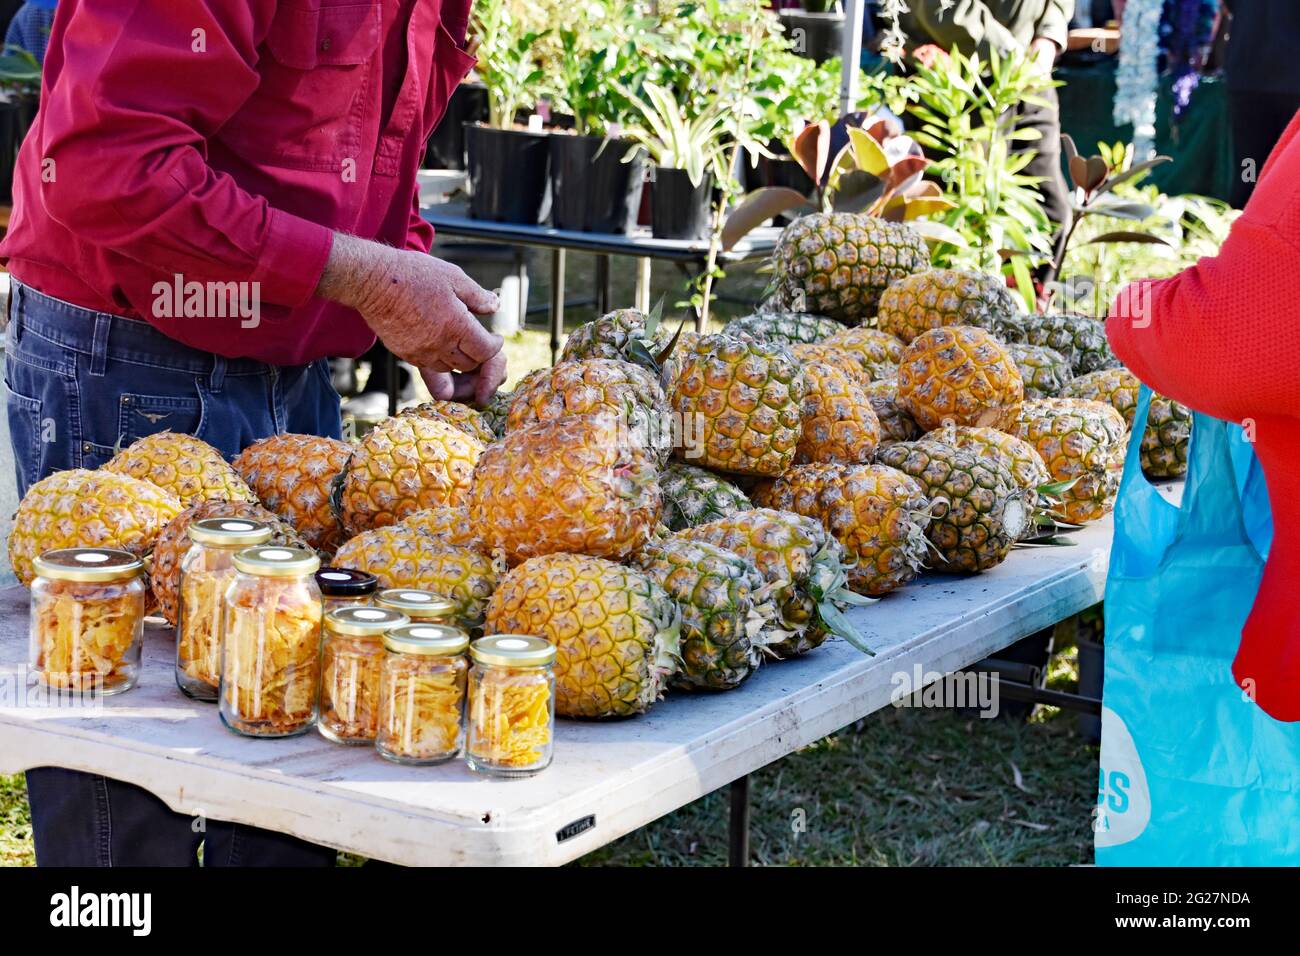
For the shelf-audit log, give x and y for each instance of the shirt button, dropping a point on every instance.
(325, 44)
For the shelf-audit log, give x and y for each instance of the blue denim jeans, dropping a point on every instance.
(82, 384)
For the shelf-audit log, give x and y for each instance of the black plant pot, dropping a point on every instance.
(592, 189)
(446, 149)
(678, 208)
(818, 36)
(507, 174)
(782, 170)
(16, 118)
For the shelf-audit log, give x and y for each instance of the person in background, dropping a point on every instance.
(30, 28)
(1263, 82)
(1036, 28)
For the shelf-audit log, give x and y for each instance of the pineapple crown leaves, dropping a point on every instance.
(828, 584)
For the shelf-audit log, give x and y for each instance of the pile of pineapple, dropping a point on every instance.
(675, 517)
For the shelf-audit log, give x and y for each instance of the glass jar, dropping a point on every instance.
(350, 662)
(422, 694)
(87, 620)
(270, 647)
(511, 720)
(207, 569)
(344, 587)
(422, 607)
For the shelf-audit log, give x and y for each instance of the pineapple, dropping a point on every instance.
(803, 564)
(1026, 464)
(1080, 339)
(573, 484)
(847, 362)
(1044, 371)
(625, 334)
(837, 264)
(783, 328)
(740, 405)
(1078, 439)
(895, 423)
(88, 509)
(405, 464)
(294, 476)
(877, 352)
(469, 420)
(596, 385)
(876, 512)
(174, 541)
(693, 496)
(188, 467)
(1169, 424)
(959, 374)
(450, 524)
(939, 297)
(615, 631)
(977, 510)
(724, 609)
(404, 557)
(496, 411)
(839, 423)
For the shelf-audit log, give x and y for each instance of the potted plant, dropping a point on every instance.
(817, 30)
(686, 156)
(446, 149)
(507, 163)
(592, 189)
(20, 87)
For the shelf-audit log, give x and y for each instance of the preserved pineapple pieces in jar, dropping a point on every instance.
(351, 660)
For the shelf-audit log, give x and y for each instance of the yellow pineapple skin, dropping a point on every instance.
(403, 557)
(1083, 439)
(895, 423)
(839, 423)
(960, 374)
(174, 541)
(457, 414)
(876, 512)
(839, 359)
(88, 509)
(186, 466)
(579, 484)
(1168, 433)
(403, 465)
(877, 352)
(293, 476)
(938, 297)
(740, 404)
(449, 524)
(1026, 464)
(615, 631)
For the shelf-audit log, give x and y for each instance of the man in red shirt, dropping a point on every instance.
(216, 196)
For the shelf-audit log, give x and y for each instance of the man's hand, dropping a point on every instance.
(1042, 53)
(423, 309)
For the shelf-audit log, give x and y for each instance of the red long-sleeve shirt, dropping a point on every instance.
(1223, 337)
(225, 141)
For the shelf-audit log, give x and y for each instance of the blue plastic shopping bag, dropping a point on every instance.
(1192, 771)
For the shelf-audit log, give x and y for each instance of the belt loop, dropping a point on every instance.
(99, 347)
(218, 376)
(14, 320)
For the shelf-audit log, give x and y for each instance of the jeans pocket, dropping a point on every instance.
(28, 435)
(140, 415)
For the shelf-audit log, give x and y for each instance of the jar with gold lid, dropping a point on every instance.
(207, 569)
(271, 634)
(351, 658)
(346, 587)
(511, 719)
(419, 606)
(87, 620)
(422, 694)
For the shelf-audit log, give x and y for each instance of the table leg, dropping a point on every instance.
(738, 825)
(602, 285)
(643, 285)
(557, 303)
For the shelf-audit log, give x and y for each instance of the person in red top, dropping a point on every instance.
(215, 197)
(1218, 338)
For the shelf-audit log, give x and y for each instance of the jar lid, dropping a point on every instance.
(429, 640)
(513, 650)
(363, 621)
(346, 582)
(272, 561)
(229, 532)
(88, 564)
(415, 604)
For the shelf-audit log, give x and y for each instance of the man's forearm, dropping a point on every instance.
(359, 273)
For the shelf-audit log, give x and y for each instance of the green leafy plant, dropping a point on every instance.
(670, 138)
(507, 63)
(967, 110)
(592, 58)
(20, 73)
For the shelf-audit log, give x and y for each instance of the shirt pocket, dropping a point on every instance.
(451, 65)
(317, 85)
